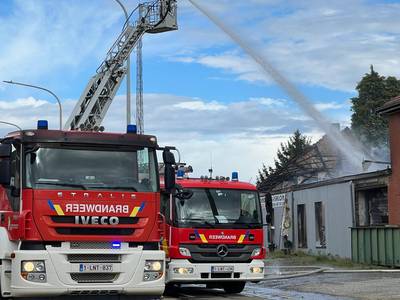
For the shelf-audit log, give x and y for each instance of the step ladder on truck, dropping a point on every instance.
(80, 208)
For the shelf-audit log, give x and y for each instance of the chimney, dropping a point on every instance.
(391, 109)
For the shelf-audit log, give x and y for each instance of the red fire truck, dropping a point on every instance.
(214, 233)
(79, 210)
(79, 213)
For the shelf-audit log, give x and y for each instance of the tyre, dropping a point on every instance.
(233, 287)
(171, 289)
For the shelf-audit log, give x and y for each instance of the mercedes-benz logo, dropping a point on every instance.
(222, 250)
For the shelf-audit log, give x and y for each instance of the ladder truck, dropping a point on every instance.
(213, 233)
(79, 208)
(155, 17)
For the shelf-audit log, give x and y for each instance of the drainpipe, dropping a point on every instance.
(293, 219)
(353, 203)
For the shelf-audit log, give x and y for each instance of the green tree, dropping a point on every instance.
(288, 151)
(373, 91)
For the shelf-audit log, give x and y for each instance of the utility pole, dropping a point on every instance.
(139, 89)
(128, 71)
(139, 84)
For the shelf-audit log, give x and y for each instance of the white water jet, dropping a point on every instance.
(353, 155)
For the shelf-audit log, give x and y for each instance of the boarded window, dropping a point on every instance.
(320, 239)
(372, 207)
(301, 226)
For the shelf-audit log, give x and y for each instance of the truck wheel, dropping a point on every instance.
(233, 287)
(171, 289)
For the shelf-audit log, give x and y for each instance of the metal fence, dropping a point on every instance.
(376, 245)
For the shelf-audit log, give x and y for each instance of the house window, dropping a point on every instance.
(320, 239)
(301, 226)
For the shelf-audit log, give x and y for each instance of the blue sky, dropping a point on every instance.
(202, 93)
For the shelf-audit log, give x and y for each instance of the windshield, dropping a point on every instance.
(219, 208)
(91, 169)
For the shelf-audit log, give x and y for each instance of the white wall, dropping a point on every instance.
(337, 201)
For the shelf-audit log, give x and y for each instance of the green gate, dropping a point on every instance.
(376, 246)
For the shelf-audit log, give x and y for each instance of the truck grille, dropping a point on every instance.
(94, 292)
(204, 253)
(94, 258)
(91, 245)
(94, 277)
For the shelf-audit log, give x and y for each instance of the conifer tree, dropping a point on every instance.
(292, 149)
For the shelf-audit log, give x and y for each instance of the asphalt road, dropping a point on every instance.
(339, 286)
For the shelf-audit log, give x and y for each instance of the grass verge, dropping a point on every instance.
(300, 258)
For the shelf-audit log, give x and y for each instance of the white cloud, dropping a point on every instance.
(269, 101)
(328, 106)
(22, 103)
(243, 67)
(200, 105)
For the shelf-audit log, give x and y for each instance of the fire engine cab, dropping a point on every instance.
(79, 213)
(214, 233)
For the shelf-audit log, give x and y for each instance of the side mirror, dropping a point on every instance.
(169, 177)
(168, 157)
(5, 171)
(5, 150)
(169, 171)
(184, 194)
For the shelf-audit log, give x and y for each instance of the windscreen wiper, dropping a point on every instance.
(203, 222)
(249, 225)
(62, 184)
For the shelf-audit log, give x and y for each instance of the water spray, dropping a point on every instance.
(335, 137)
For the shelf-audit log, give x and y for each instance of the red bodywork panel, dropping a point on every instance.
(215, 184)
(177, 236)
(50, 215)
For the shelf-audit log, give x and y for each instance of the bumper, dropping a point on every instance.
(63, 276)
(202, 272)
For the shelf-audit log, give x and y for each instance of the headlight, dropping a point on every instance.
(33, 266)
(184, 251)
(257, 270)
(183, 271)
(153, 265)
(34, 270)
(153, 270)
(256, 252)
(28, 266)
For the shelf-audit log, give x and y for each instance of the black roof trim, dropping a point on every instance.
(385, 172)
(82, 137)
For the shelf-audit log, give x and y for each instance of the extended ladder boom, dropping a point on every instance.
(155, 17)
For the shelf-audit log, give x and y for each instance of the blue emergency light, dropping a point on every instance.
(42, 124)
(131, 128)
(180, 174)
(235, 176)
(116, 245)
